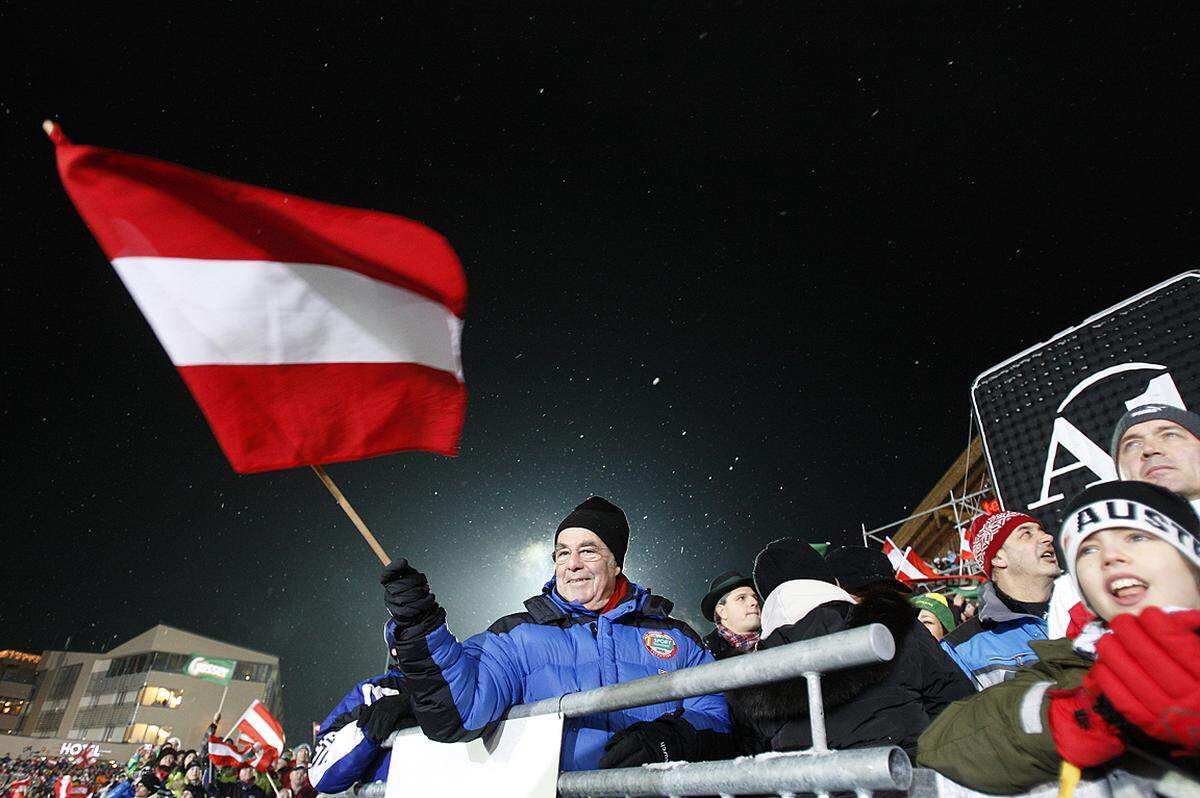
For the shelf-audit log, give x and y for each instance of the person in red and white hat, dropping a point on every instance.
(1017, 556)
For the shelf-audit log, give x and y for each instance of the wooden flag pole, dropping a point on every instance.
(358, 522)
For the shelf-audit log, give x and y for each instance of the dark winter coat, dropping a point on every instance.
(889, 703)
(719, 646)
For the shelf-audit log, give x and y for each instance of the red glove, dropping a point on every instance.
(1149, 670)
(1082, 737)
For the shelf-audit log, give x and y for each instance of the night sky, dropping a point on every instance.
(733, 266)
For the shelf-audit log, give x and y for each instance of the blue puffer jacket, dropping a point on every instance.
(344, 755)
(553, 648)
(992, 645)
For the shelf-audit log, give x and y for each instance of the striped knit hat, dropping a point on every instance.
(988, 533)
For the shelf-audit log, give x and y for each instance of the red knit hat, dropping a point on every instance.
(988, 533)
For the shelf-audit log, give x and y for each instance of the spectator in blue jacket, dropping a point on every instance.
(589, 627)
(1017, 556)
(350, 740)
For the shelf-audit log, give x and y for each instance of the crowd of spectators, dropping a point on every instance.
(37, 776)
(981, 688)
(166, 771)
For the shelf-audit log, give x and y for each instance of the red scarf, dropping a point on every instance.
(618, 594)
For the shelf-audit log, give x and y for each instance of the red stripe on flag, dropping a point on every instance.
(268, 417)
(139, 206)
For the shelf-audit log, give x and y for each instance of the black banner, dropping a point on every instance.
(1047, 415)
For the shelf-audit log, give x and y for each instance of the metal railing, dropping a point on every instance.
(817, 770)
(865, 645)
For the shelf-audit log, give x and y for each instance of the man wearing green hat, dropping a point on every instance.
(934, 614)
(733, 606)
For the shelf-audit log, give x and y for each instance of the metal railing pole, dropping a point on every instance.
(865, 645)
(816, 712)
(802, 772)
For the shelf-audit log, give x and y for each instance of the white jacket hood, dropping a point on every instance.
(794, 599)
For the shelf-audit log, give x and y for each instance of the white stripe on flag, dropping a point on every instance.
(248, 312)
(266, 733)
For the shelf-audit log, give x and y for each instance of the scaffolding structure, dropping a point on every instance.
(962, 494)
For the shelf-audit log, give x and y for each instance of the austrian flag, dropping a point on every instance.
(259, 727)
(308, 333)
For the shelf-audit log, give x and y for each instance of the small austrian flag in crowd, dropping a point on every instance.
(894, 554)
(908, 565)
(223, 753)
(964, 546)
(308, 333)
(18, 787)
(259, 727)
(64, 787)
(918, 566)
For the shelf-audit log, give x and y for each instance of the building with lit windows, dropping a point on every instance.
(165, 682)
(17, 673)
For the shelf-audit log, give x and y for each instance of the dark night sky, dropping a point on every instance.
(812, 228)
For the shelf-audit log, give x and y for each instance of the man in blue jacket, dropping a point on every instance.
(349, 741)
(1017, 556)
(589, 627)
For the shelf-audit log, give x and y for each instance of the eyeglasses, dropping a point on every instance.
(586, 553)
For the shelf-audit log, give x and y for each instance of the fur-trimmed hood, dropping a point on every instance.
(788, 700)
(796, 598)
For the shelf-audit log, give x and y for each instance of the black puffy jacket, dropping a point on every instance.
(889, 703)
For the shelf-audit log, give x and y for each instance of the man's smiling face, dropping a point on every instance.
(584, 569)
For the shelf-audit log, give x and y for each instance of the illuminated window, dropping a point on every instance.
(147, 733)
(160, 697)
(12, 706)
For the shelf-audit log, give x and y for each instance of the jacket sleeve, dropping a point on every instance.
(943, 681)
(705, 712)
(458, 689)
(344, 755)
(202, 751)
(997, 741)
(342, 758)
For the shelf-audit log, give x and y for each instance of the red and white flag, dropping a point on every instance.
(223, 753)
(259, 727)
(226, 754)
(18, 788)
(87, 755)
(908, 565)
(308, 333)
(915, 565)
(894, 554)
(964, 546)
(62, 786)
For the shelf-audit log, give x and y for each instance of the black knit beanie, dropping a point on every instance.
(786, 559)
(606, 520)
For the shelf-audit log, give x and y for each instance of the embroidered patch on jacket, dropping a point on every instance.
(660, 644)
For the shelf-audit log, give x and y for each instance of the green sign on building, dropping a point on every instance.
(210, 669)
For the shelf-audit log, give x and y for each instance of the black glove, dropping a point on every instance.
(379, 719)
(408, 598)
(670, 738)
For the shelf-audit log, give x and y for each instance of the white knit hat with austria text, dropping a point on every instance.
(1142, 506)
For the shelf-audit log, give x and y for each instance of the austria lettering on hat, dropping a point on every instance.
(1142, 506)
